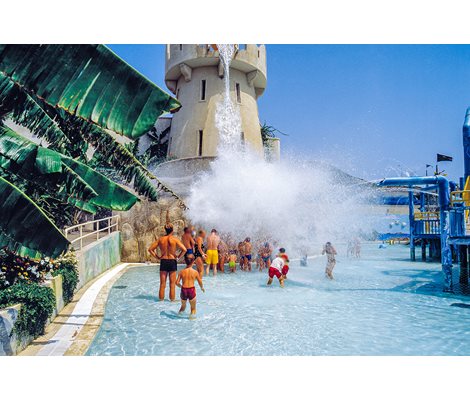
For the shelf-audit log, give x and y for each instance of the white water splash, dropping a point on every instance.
(294, 203)
(228, 120)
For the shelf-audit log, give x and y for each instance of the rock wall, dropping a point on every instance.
(8, 317)
(144, 222)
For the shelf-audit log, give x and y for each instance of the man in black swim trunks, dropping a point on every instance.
(168, 266)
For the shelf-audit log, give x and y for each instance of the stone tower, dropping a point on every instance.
(194, 73)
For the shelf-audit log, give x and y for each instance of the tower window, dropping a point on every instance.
(237, 89)
(178, 93)
(242, 138)
(181, 47)
(243, 47)
(199, 151)
(203, 90)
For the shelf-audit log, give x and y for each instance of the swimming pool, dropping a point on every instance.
(382, 304)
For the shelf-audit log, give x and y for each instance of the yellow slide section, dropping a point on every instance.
(466, 197)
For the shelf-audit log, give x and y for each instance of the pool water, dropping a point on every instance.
(381, 304)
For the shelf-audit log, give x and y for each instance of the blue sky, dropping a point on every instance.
(372, 110)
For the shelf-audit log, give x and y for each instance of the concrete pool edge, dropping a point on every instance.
(73, 330)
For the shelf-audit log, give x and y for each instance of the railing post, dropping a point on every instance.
(81, 236)
(97, 230)
(109, 225)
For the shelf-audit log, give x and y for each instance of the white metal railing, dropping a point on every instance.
(90, 229)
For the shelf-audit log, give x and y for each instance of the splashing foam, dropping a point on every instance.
(293, 203)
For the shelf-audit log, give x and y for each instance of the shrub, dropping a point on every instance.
(38, 303)
(67, 267)
(14, 268)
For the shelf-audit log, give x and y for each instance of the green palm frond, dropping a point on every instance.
(110, 194)
(88, 81)
(132, 170)
(75, 180)
(26, 110)
(116, 156)
(24, 227)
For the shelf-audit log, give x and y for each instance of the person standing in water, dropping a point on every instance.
(232, 261)
(188, 292)
(330, 252)
(247, 256)
(199, 252)
(188, 241)
(223, 255)
(357, 247)
(241, 255)
(277, 269)
(168, 266)
(212, 253)
(265, 254)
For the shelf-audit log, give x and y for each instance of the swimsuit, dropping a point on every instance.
(188, 293)
(168, 265)
(197, 252)
(285, 270)
(274, 272)
(189, 251)
(248, 257)
(231, 264)
(265, 259)
(212, 257)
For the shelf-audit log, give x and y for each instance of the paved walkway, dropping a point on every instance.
(65, 336)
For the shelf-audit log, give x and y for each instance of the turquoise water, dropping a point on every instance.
(381, 304)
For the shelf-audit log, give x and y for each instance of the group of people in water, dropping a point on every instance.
(199, 248)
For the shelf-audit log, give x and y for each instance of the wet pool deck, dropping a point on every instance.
(74, 328)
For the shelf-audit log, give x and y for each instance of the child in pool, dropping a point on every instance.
(232, 261)
(277, 269)
(285, 268)
(188, 291)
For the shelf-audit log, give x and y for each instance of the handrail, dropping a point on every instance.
(112, 222)
(426, 215)
(455, 199)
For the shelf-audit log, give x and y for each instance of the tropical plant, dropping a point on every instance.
(37, 305)
(66, 266)
(269, 132)
(24, 227)
(75, 97)
(14, 269)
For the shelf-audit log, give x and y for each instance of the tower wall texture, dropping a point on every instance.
(185, 71)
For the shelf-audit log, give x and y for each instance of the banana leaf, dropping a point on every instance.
(24, 227)
(27, 111)
(109, 194)
(88, 81)
(131, 169)
(79, 182)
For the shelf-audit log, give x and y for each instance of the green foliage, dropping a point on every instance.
(29, 112)
(269, 132)
(24, 227)
(38, 303)
(14, 269)
(89, 81)
(67, 267)
(77, 182)
(69, 95)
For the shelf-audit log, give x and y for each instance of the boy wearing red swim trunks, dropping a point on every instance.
(278, 268)
(188, 292)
